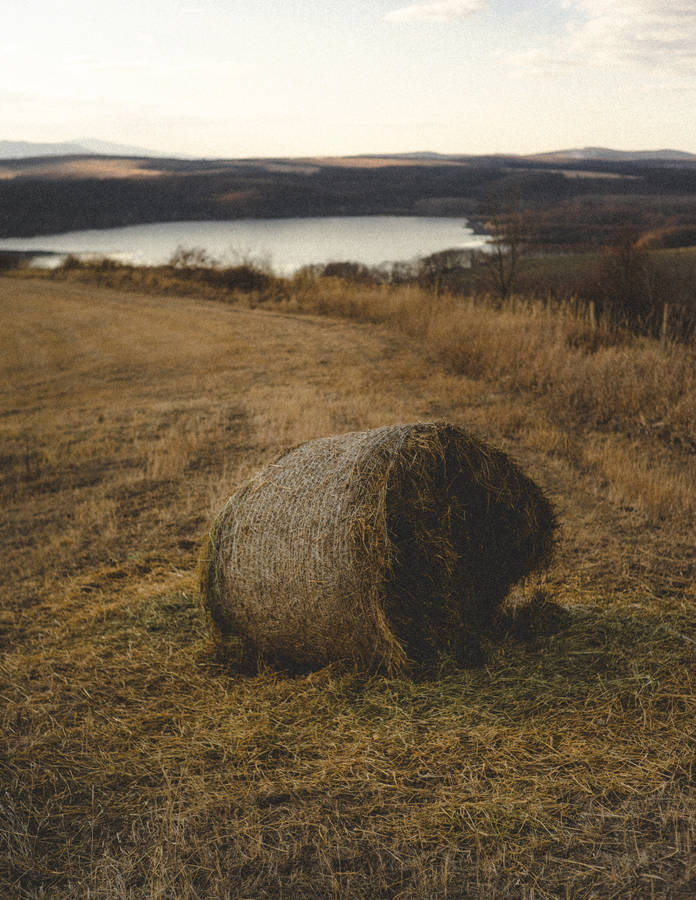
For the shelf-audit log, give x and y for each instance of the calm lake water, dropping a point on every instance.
(287, 244)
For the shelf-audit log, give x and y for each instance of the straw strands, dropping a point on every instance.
(383, 547)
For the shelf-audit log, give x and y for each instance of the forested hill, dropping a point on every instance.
(572, 202)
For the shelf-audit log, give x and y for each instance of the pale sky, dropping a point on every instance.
(305, 77)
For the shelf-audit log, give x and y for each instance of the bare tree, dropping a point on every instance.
(508, 227)
(630, 283)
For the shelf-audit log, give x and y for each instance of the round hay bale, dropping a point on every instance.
(382, 547)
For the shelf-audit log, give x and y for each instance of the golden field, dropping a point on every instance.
(136, 761)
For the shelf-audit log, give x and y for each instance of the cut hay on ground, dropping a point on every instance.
(381, 547)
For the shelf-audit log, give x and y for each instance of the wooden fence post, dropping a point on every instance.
(664, 330)
(593, 315)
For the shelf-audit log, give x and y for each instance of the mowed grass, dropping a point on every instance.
(137, 762)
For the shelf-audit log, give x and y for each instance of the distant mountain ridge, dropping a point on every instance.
(604, 154)
(80, 147)
(579, 154)
(92, 147)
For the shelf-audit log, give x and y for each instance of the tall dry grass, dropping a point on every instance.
(584, 378)
(584, 375)
(588, 375)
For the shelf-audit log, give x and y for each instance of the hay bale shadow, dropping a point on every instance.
(530, 620)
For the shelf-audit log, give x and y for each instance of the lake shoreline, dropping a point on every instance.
(284, 245)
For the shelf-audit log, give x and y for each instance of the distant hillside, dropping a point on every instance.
(574, 202)
(580, 154)
(604, 154)
(92, 147)
(86, 146)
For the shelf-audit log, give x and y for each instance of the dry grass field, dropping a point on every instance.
(136, 761)
(78, 167)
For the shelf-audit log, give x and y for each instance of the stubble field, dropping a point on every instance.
(137, 762)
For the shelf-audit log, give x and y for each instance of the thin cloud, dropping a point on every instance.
(652, 34)
(443, 11)
(679, 85)
(154, 67)
(644, 32)
(539, 63)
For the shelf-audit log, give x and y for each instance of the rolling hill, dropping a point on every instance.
(80, 147)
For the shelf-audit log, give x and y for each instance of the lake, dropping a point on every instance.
(286, 244)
